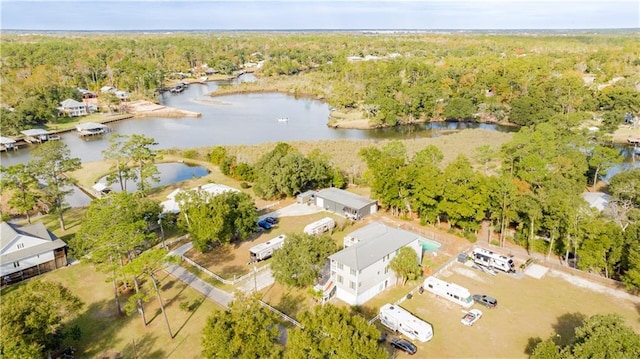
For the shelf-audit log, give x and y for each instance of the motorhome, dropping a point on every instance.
(400, 320)
(453, 292)
(265, 250)
(490, 259)
(321, 226)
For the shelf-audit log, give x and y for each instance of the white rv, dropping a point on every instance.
(398, 319)
(453, 292)
(321, 226)
(490, 259)
(265, 250)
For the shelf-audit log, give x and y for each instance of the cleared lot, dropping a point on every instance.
(527, 309)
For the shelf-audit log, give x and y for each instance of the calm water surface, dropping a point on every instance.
(238, 119)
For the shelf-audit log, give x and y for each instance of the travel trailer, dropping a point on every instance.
(265, 250)
(398, 319)
(490, 259)
(453, 292)
(321, 226)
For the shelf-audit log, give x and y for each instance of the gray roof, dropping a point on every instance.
(376, 240)
(71, 103)
(349, 199)
(35, 132)
(7, 140)
(9, 232)
(89, 126)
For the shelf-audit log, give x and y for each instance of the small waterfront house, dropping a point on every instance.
(73, 108)
(171, 206)
(35, 135)
(86, 94)
(27, 251)
(361, 270)
(123, 95)
(345, 203)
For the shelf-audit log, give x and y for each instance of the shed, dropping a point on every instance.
(306, 197)
(345, 203)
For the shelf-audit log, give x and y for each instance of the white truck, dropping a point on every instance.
(490, 259)
(263, 251)
(321, 226)
(399, 320)
(451, 291)
(471, 317)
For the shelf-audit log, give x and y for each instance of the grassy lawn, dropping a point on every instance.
(529, 309)
(104, 333)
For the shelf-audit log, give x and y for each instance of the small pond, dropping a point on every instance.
(169, 173)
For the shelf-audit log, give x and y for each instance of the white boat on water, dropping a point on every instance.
(283, 119)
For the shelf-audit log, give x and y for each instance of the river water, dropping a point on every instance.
(250, 118)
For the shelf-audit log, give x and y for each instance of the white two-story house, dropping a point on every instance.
(27, 251)
(361, 270)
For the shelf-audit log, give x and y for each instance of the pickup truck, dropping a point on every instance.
(471, 317)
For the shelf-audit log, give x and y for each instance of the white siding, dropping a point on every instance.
(8, 268)
(21, 243)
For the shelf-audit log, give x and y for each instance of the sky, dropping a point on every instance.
(118, 15)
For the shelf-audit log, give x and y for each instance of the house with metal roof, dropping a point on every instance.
(73, 108)
(345, 203)
(27, 251)
(172, 206)
(361, 270)
(7, 143)
(35, 135)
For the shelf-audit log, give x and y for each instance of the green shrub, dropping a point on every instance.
(244, 185)
(191, 154)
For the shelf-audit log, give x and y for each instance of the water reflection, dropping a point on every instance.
(169, 173)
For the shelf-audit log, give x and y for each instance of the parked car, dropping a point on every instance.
(404, 345)
(271, 220)
(264, 224)
(471, 317)
(485, 300)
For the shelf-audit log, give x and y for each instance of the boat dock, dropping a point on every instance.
(91, 129)
(35, 135)
(7, 144)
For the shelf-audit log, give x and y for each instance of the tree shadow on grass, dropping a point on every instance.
(565, 328)
(192, 308)
(531, 345)
(99, 326)
(290, 304)
(144, 347)
(217, 256)
(234, 270)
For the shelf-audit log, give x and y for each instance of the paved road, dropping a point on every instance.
(217, 295)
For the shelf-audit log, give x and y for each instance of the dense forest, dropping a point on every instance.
(391, 79)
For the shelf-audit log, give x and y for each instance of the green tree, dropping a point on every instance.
(114, 227)
(23, 183)
(51, 162)
(301, 258)
(631, 257)
(605, 336)
(459, 108)
(232, 333)
(547, 350)
(601, 159)
(35, 319)
(216, 219)
(120, 160)
(405, 265)
(143, 157)
(332, 332)
(147, 265)
(601, 246)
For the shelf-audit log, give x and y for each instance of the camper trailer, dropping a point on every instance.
(490, 259)
(321, 226)
(453, 292)
(398, 319)
(265, 250)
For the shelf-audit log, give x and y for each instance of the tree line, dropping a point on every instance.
(491, 78)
